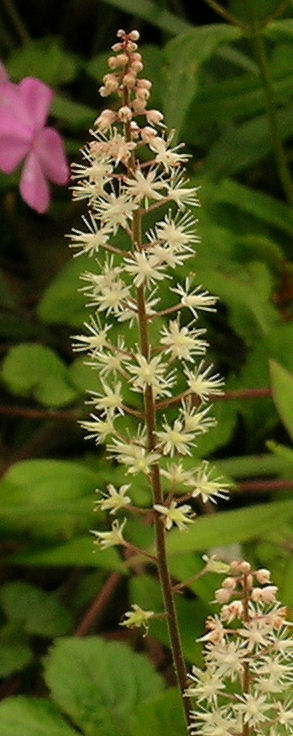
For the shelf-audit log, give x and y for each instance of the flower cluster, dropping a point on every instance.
(245, 685)
(24, 137)
(138, 233)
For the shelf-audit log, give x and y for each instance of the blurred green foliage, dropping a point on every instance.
(207, 81)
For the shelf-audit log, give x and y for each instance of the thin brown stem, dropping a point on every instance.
(99, 604)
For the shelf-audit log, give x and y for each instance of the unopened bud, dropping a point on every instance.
(134, 35)
(222, 595)
(263, 576)
(124, 114)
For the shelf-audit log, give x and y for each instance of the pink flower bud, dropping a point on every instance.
(154, 117)
(124, 114)
(269, 594)
(222, 595)
(133, 35)
(229, 583)
(263, 576)
(245, 567)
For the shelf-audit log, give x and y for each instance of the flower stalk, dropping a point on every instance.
(141, 226)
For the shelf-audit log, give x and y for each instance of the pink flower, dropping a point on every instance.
(23, 136)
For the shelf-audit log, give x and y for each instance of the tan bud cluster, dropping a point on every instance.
(123, 80)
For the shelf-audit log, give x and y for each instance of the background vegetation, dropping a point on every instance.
(227, 89)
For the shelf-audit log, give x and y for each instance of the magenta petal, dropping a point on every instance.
(12, 104)
(3, 73)
(50, 152)
(33, 186)
(37, 99)
(12, 151)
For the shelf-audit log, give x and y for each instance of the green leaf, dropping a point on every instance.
(285, 454)
(260, 205)
(57, 495)
(62, 302)
(35, 370)
(160, 715)
(32, 717)
(230, 526)
(98, 683)
(76, 552)
(242, 145)
(45, 59)
(15, 654)
(277, 29)
(152, 13)
(183, 56)
(38, 612)
(247, 294)
(282, 388)
(74, 114)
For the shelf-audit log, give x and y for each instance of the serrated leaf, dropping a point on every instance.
(181, 79)
(98, 683)
(45, 59)
(282, 388)
(35, 370)
(32, 717)
(160, 715)
(38, 612)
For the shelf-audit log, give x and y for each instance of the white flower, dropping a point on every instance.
(144, 268)
(177, 232)
(182, 342)
(213, 723)
(195, 299)
(182, 195)
(206, 486)
(95, 341)
(173, 514)
(176, 474)
(91, 241)
(135, 457)
(196, 420)
(227, 657)
(114, 499)
(108, 363)
(137, 618)
(115, 210)
(252, 708)
(144, 188)
(110, 539)
(107, 290)
(150, 373)
(175, 439)
(99, 429)
(207, 685)
(169, 157)
(111, 398)
(202, 384)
